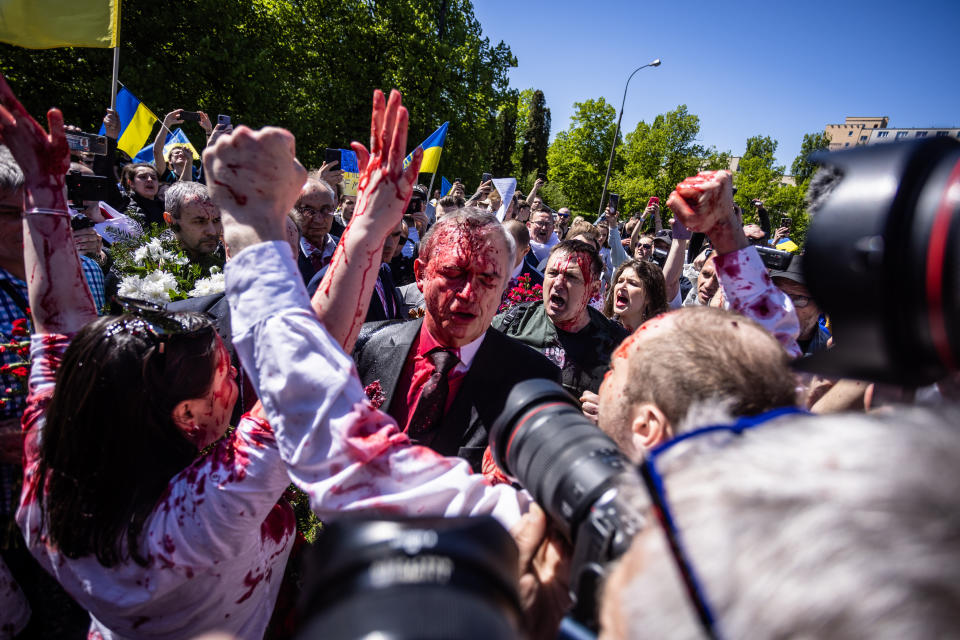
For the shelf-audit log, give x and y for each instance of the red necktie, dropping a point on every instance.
(433, 396)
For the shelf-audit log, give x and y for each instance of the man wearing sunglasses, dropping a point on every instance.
(563, 221)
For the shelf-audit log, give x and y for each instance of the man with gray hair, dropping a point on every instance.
(445, 378)
(195, 221)
(837, 526)
(313, 213)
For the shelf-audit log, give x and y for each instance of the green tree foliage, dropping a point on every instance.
(501, 163)
(802, 168)
(308, 65)
(578, 156)
(659, 155)
(523, 117)
(536, 136)
(760, 178)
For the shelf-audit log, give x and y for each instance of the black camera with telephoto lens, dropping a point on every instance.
(587, 487)
(882, 261)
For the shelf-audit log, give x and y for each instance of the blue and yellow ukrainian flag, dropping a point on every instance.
(46, 24)
(432, 147)
(136, 122)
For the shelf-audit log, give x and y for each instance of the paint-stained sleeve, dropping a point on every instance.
(748, 289)
(208, 510)
(340, 450)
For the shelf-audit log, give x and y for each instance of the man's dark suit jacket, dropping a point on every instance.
(305, 266)
(536, 276)
(500, 363)
(375, 311)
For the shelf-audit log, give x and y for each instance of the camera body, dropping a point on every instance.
(80, 221)
(410, 578)
(87, 188)
(774, 259)
(881, 261)
(81, 142)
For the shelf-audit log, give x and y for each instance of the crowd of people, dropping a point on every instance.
(361, 347)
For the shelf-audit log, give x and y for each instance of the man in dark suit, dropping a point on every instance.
(522, 264)
(386, 303)
(446, 377)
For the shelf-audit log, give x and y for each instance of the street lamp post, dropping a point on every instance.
(613, 147)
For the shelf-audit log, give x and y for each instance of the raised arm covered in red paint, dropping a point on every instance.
(254, 178)
(59, 297)
(704, 203)
(385, 188)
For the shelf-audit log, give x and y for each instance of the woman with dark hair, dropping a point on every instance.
(638, 294)
(148, 536)
(142, 185)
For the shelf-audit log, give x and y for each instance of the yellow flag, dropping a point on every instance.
(46, 24)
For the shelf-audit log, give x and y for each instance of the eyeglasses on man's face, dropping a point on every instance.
(312, 212)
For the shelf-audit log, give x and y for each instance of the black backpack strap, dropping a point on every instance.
(512, 315)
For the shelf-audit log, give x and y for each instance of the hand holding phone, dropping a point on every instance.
(190, 116)
(614, 201)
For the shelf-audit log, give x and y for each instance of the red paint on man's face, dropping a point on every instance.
(462, 283)
(567, 287)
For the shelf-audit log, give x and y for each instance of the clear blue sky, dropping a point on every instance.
(744, 67)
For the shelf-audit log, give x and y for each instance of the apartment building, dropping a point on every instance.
(854, 131)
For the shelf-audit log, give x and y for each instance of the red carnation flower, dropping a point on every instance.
(20, 372)
(375, 393)
(20, 327)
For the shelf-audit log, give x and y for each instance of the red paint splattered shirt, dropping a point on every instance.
(748, 289)
(344, 453)
(217, 542)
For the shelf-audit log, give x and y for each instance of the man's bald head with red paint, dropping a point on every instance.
(465, 262)
(685, 358)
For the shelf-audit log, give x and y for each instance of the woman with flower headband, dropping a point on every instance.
(147, 536)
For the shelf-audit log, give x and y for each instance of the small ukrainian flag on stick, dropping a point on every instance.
(432, 147)
(136, 122)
